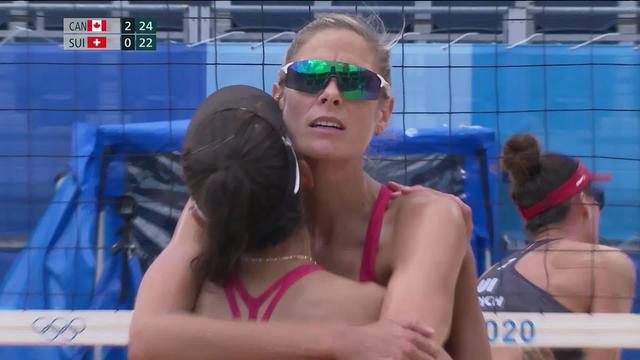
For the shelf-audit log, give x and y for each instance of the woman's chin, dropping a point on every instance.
(327, 152)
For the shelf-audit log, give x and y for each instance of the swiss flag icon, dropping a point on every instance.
(97, 25)
(97, 42)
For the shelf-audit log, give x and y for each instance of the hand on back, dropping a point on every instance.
(390, 340)
(400, 190)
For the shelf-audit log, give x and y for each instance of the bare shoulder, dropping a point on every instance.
(613, 269)
(614, 280)
(614, 261)
(426, 198)
(212, 301)
(427, 204)
(426, 215)
(581, 255)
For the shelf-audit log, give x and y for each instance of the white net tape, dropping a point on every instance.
(550, 330)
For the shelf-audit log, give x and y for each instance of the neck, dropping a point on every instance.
(293, 251)
(296, 244)
(567, 229)
(341, 190)
(551, 233)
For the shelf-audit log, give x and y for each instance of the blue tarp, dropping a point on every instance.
(57, 269)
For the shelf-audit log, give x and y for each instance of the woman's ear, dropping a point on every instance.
(276, 92)
(306, 176)
(384, 114)
(585, 206)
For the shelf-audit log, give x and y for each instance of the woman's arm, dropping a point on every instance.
(164, 328)
(190, 336)
(614, 286)
(468, 337)
(429, 244)
(193, 337)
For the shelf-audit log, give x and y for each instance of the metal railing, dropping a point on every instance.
(23, 5)
(207, 21)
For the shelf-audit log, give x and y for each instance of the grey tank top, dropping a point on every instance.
(503, 289)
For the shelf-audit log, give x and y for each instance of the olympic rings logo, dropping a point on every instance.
(59, 328)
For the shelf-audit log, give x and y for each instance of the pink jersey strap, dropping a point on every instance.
(371, 240)
(254, 304)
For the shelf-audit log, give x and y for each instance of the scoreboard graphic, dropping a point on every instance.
(110, 34)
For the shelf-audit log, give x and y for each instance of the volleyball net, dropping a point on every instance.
(536, 330)
(89, 150)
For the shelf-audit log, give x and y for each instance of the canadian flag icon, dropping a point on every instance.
(97, 25)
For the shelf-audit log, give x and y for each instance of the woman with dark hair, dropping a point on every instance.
(334, 90)
(244, 180)
(564, 269)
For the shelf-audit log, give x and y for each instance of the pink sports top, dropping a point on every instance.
(253, 304)
(371, 240)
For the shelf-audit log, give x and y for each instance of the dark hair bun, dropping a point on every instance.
(521, 158)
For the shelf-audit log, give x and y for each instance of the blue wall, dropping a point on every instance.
(591, 110)
(584, 102)
(44, 90)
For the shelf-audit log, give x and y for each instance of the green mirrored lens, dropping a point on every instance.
(355, 82)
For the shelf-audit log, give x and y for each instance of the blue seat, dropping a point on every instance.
(392, 21)
(165, 20)
(269, 21)
(54, 20)
(591, 23)
(453, 22)
(4, 20)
